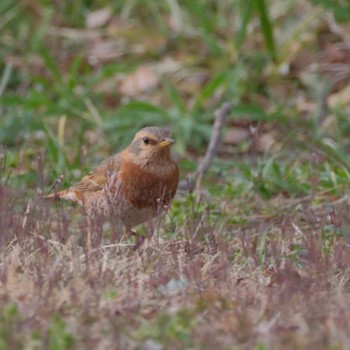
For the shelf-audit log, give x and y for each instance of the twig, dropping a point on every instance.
(57, 182)
(212, 150)
(221, 115)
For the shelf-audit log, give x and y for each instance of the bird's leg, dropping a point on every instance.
(151, 239)
(139, 239)
(117, 232)
(143, 242)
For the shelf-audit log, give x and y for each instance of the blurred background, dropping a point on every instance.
(79, 78)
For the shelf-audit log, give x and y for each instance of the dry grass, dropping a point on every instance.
(265, 286)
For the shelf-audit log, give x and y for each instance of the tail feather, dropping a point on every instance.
(52, 196)
(70, 195)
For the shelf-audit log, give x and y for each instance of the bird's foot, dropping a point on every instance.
(139, 239)
(149, 243)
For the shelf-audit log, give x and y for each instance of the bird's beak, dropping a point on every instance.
(166, 142)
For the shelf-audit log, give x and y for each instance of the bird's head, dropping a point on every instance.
(151, 144)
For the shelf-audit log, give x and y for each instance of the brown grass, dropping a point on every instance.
(271, 285)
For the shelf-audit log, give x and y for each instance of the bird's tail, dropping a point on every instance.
(54, 196)
(68, 194)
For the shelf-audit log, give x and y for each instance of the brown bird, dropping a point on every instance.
(132, 186)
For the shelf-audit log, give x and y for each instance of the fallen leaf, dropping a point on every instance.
(268, 142)
(340, 98)
(98, 18)
(139, 81)
(105, 51)
(235, 135)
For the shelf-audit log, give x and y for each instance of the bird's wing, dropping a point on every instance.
(90, 182)
(95, 180)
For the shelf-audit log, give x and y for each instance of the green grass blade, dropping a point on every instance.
(247, 10)
(5, 78)
(266, 27)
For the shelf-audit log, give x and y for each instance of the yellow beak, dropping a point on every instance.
(166, 142)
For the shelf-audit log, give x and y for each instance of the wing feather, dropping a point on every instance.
(95, 180)
(90, 183)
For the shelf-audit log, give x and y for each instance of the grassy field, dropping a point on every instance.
(258, 256)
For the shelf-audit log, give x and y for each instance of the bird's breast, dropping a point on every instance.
(144, 188)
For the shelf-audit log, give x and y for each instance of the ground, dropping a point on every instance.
(258, 256)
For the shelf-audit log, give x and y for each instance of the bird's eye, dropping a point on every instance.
(146, 140)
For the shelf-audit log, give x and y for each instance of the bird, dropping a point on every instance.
(132, 186)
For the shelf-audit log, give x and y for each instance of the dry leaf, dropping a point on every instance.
(235, 135)
(98, 18)
(138, 82)
(106, 51)
(340, 98)
(268, 142)
(168, 65)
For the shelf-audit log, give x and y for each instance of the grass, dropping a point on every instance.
(258, 256)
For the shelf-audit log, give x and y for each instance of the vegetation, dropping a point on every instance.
(258, 256)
